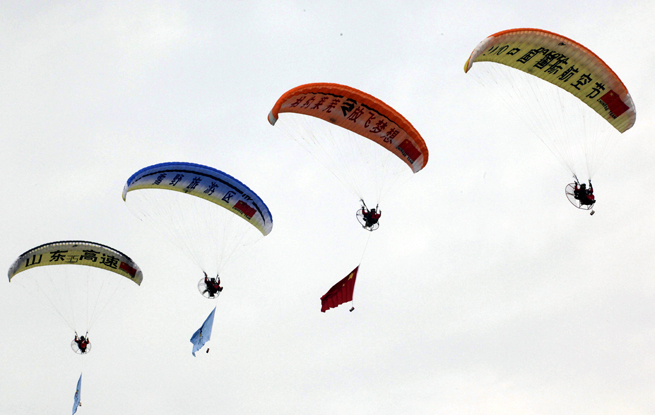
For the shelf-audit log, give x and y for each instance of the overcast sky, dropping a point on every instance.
(484, 291)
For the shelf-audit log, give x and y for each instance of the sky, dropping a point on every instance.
(483, 291)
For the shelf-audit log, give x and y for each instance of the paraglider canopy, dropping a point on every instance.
(77, 278)
(204, 212)
(562, 62)
(366, 144)
(568, 97)
(206, 183)
(359, 112)
(77, 253)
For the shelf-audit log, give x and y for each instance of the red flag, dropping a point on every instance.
(340, 293)
(125, 267)
(243, 207)
(614, 103)
(409, 151)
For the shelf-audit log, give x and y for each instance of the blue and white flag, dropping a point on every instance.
(78, 395)
(203, 334)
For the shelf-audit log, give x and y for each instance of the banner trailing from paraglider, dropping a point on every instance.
(360, 113)
(207, 183)
(203, 334)
(340, 293)
(78, 253)
(78, 395)
(564, 63)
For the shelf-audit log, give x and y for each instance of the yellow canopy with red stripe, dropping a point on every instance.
(564, 63)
